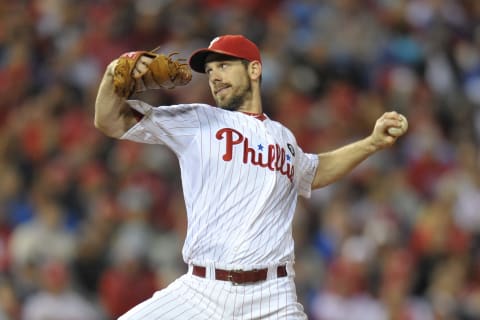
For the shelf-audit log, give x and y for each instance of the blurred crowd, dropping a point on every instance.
(90, 226)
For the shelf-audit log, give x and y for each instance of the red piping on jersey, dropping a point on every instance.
(260, 117)
(137, 115)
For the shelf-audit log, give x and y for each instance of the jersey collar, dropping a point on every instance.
(259, 116)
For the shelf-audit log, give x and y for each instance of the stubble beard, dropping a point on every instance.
(238, 100)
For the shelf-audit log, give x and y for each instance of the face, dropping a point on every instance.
(229, 83)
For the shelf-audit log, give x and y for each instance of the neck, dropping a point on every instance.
(254, 105)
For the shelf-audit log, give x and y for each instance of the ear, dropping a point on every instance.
(255, 70)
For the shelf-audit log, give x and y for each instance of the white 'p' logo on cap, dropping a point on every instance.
(213, 41)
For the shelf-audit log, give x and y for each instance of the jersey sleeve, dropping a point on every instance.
(305, 167)
(174, 126)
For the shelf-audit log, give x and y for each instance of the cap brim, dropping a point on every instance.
(198, 58)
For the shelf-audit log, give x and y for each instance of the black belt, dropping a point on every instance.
(239, 276)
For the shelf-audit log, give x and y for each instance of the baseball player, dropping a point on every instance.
(241, 174)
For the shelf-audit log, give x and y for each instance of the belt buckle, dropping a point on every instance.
(230, 276)
(238, 271)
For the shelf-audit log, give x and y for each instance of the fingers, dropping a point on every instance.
(141, 67)
(392, 119)
(388, 127)
(149, 81)
(395, 124)
(391, 115)
(140, 85)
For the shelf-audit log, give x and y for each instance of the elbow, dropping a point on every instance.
(97, 124)
(321, 183)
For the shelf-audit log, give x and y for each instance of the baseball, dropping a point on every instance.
(396, 131)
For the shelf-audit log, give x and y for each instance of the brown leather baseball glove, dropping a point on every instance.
(138, 71)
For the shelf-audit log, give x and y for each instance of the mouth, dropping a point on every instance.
(221, 89)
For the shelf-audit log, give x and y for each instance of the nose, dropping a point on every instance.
(214, 78)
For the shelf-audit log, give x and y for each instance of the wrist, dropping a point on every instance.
(370, 144)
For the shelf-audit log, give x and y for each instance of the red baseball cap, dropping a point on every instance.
(231, 45)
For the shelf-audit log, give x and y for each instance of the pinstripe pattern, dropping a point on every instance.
(190, 297)
(241, 178)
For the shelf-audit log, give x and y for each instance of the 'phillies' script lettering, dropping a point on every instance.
(274, 160)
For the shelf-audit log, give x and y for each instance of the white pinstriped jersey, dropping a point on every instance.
(240, 176)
